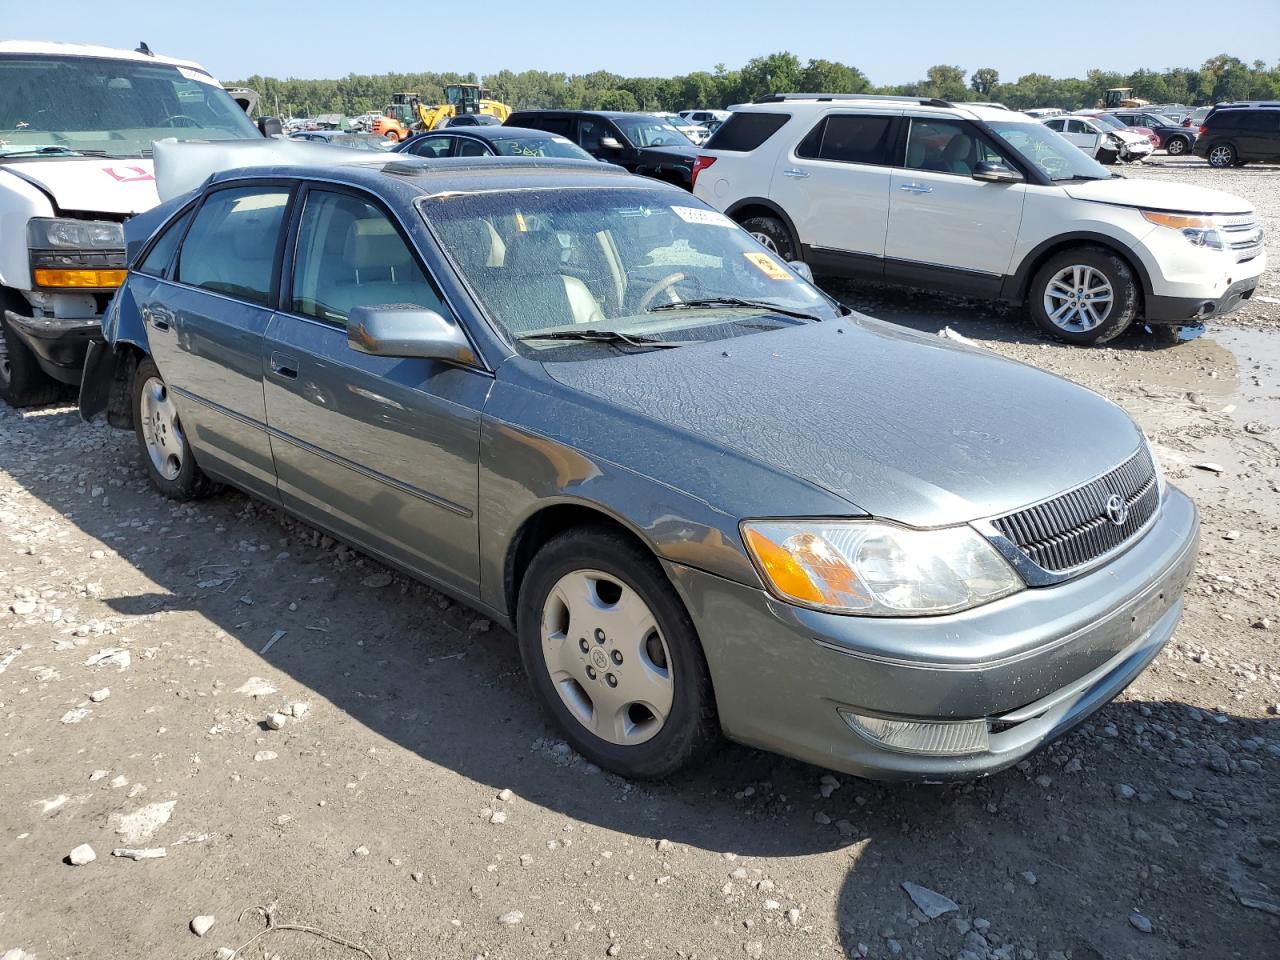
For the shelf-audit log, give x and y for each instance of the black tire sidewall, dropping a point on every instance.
(691, 726)
(190, 482)
(778, 232)
(27, 384)
(1123, 282)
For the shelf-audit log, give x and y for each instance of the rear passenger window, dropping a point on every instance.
(849, 140)
(231, 246)
(471, 148)
(156, 263)
(560, 125)
(349, 254)
(743, 132)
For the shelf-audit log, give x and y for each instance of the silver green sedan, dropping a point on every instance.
(708, 500)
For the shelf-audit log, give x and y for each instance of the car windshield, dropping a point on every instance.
(650, 132)
(1107, 120)
(1055, 156)
(112, 107)
(539, 147)
(606, 261)
(1160, 120)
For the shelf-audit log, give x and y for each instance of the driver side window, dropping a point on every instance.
(590, 133)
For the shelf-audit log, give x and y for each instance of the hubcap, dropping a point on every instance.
(1220, 156)
(161, 429)
(1175, 147)
(766, 241)
(607, 658)
(1078, 298)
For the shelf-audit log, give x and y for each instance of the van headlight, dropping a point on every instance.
(875, 569)
(1198, 231)
(84, 254)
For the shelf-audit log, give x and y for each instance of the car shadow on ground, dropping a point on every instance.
(930, 312)
(432, 677)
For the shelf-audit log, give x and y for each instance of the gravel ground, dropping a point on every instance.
(413, 802)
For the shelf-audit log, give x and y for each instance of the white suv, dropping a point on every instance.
(979, 201)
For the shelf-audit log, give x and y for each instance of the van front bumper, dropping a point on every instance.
(59, 344)
(1032, 665)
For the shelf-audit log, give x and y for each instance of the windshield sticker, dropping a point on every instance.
(770, 267)
(199, 76)
(128, 174)
(698, 215)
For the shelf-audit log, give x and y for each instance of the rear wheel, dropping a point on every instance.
(1084, 295)
(1222, 155)
(22, 382)
(613, 656)
(1177, 146)
(773, 235)
(166, 452)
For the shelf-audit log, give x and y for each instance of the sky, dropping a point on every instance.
(892, 42)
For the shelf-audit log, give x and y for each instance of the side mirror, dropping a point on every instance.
(990, 172)
(610, 143)
(802, 268)
(270, 126)
(402, 330)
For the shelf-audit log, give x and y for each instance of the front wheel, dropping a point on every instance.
(613, 656)
(22, 382)
(1177, 146)
(1222, 155)
(1084, 295)
(166, 452)
(773, 235)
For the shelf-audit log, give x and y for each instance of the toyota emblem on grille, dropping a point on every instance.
(1117, 509)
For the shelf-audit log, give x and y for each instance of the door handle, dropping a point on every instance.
(284, 366)
(794, 173)
(915, 188)
(155, 319)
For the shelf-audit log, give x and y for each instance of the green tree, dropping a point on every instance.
(984, 81)
(826, 76)
(615, 100)
(776, 73)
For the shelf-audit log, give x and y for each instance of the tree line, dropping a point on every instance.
(1219, 78)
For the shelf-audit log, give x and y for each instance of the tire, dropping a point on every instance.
(1221, 156)
(773, 235)
(166, 453)
(1177, 146)
(22, 382)
(1055, 292)
(1108, 157)
(631, 636)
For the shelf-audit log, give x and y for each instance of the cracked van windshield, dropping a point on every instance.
(626, 261)
(116, 108)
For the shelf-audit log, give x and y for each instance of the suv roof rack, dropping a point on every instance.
(919, 101)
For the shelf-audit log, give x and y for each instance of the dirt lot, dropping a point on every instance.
(421, 807)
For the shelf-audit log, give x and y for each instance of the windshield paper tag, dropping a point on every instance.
(698, 215)
(770, 267)
(198, 76)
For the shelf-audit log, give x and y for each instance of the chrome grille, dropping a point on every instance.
(1074, 529)
(1243, 235)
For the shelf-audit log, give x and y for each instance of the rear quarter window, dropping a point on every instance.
(744, 132)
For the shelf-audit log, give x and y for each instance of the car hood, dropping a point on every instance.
(1156, 195)
(91, 184)
(674, 151)
(903, 426)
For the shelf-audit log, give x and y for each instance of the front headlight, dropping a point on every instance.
(876, 569)
(44, 233)
(1198, 231)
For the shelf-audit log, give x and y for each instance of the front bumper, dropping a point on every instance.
(59, 344)
(1176, 309)
(1034, 664)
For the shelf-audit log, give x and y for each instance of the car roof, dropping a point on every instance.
(406, 177)
(48, 48)
(483, 132)
(817, 103)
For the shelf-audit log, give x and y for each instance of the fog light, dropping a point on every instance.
(918, 736)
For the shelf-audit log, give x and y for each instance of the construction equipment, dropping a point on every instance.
(407, 114)
(1118, 97)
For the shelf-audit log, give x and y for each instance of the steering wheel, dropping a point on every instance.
(169, 121)
(658, 142)
(670, 280)
(1051, 163)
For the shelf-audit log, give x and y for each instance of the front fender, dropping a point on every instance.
(109, 363)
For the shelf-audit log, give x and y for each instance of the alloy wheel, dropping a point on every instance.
(1176, 147)
(766, 241)
(607, 658)
(1222, 156)
(1078, 298)
(161, 429)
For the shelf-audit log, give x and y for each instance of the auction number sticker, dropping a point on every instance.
(698, 215)
(770, 267)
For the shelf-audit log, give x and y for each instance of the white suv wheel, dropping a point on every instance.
(1078, 298)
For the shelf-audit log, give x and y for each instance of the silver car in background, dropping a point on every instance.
(708, 499)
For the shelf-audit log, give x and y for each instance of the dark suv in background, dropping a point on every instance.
(640, 142)
(1235, 134)
(1174, 137)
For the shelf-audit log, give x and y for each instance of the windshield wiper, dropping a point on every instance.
(707, 302)
(51, 151)
(606, 336)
